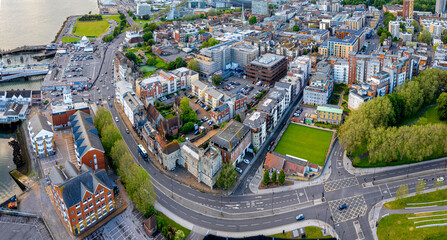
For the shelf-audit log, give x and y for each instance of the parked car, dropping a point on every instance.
(196, 132)
(246, 161)
(116, 119)
(342, 206)
(127, 131)
(300, 217)
(238, 170)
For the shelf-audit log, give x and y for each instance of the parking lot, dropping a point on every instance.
(77, 64)
(234, 85)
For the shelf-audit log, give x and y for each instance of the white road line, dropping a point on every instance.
(297, 197)
(380, 190)
(306, 194)
(386, 184)
(277, 220)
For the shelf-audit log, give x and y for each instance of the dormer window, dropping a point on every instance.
(89, 198)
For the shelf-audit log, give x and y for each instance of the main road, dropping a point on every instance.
(244, 211)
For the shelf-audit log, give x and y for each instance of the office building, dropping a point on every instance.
(269, 68)
(259, 7)
(440, 7)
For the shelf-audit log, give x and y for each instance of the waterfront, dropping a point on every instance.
(8, 186)
(36, 22)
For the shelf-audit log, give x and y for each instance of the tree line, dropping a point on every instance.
(373, 127)
(91, 17)
(134, 178)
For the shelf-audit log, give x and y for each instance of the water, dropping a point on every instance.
(36, 22)
(8, 186)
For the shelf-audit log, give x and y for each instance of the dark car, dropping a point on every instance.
(342, 206)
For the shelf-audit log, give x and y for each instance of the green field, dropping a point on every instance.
(430, 116)
(403, 226)
(90, 28)
(116, 18)
(311, 232)
(143, 21)
(422, 198)
(305, 142)
(146, 68)
(70, 39)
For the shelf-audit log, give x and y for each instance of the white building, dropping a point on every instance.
(122, 87)
(259, 7)
(394, 28)
(406, 36)
(132, 106)
(41, 135)
(257, 122)
(143, 9)
(341, 71)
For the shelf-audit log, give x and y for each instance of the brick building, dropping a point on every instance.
(269, 68)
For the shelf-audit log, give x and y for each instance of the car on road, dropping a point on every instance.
(127, 131)
(342, 206)
(246, 161)
(116, 119)
(440, 179)
(300, 217)
(108, 98)
(238, 170)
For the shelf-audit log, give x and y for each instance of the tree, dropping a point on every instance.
(252, 20)
(193, 65)
(187, 127)
(438, 184)
(151, 27)
(103, 117)
(383, 37)
(179, 235)
(131, 56)
(212, 12)
(425, 37)
(420, 186)
(201, 31)
(147, 36)
(151, 61)
(296, 28)
(211, 42)
(442, 106)
(109, 135)
(415, 24)
(226, 177)
(217, 79)
(402, 192)
(118, 150)
(304, 52)
(187, 113)
(180, 62)
(238, 118)
(274, 176)
(266, 178)
(282, 177)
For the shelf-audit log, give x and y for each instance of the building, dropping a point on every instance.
(259, 7)
(407, 8)
(436, 29)
(233, 141)
(358, 95)
(394, 9)
(144, 9)
(83, 197)
(41, 135)
(394, 29)
(329, 114)
(194, 4)
(60, 114)
(213, 97)
(133, 38)
(87, 145)
(341, 71)
(440, 8)
(198, 89)
(355, 22)
(220, 114)
(14, 112)
(242, 54)
(291, 165)
(25, 97)
(320, 87)
(339, 47)
(132, 107)
(257, 122)
(406, 37)
(150, 225)
(269, 68)
(215, 58)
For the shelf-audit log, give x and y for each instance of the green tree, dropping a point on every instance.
(187, 113)
(179, 235)
(415, 24)
(152, 27)
(212, 12)
(217, 79)
(201, 31)
(402, 192)
(238, 118)
(425, 37)
(266, 178)
(304, 52)
(420, 186)
(296, 28)
(151, 61)
(131, 56)
(438, 185)
(103, 117)
(252, 20)
(118, 150)
(109, 135)
(226, 177)
(187, 127)
(442, 106)
(193, 64)
(282, 177)
(383, 37)
(180, 62)
(147, 36)
(274, 176)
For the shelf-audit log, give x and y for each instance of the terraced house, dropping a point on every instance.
(88, 147)
(83, 197)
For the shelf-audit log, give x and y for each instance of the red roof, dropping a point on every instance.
(273, 161)
(291, 168)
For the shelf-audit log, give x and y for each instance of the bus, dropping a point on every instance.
(142, 151)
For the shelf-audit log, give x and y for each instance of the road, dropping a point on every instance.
(244, 211)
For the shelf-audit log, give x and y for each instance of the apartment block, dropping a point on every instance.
(41, 135)
(257, 122)
(339, 47)
(320, 86)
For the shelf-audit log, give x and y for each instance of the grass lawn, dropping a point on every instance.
(399, 226)
(311, 232)
(167, 221)
(143, 21)
(305, 142)
(161, 63)
(339, 87)
(70, 39)
(422, 198)
(346, 96)
(90, 28)
(146, 68)
(116, 18)
(429, 116)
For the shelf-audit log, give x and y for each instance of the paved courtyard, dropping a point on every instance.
(18, 227)
(64, 151)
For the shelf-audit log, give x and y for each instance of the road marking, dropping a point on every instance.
(386, 184)
(306, 194)
(297, 197)
(277, 220)
(380, 190)
(218, 224)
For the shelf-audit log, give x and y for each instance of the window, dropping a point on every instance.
(105, 211)
(93, 219)
(111, 208)
(109, 194)
(110, 200)
(85, 201)
(89, 198)
(90, 205)
(99, 214)
(102, 198)
(97, 194)
(72, 212)
(79, 212)
(85, 209)
(78, 206)
(97, 201)
(80, 220)
(99, 208)
(103, 205)
(87, 215)
(82, 227)
(101, 191)
(73, 220)
(88, 222)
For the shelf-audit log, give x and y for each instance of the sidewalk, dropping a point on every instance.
(378, 211)
(347, 164)
(287, 228)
